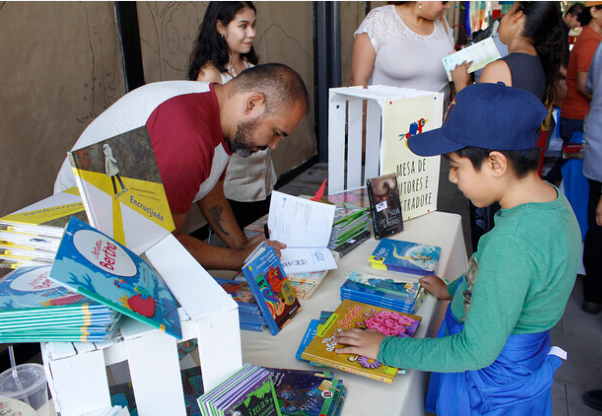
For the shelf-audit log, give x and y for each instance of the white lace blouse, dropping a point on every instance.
(403, 57)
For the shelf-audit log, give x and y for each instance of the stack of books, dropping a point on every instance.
(250, 391)
(351, 224)
(31, 236)
(401, 295)
(33, 308)
(302, 392)
(249, 314)
(351, 314)
(406, 257)
(305, 284)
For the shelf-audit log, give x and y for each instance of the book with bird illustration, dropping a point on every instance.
(95, 265)
(407, 257)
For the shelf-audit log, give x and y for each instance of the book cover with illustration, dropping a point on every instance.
(384, 205)
(417, 176)
(407, 257)
(350, 314)
(47, 217)
(95, 265)
(272, 289)
(307, 393)
(241, 293)
(34, 307)
(248, 392)
(122, 191)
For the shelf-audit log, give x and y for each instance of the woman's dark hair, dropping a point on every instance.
(522, 161)
(210, 46)
(586, 16)
(544, 25)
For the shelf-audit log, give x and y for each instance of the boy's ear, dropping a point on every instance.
(497, 163)
(254, 104)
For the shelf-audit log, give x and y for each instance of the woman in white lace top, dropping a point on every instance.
(402, 45)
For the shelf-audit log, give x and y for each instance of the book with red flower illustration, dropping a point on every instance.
(95, 265)
(272, 289)
(351, 314)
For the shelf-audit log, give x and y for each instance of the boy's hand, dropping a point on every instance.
(435, 286)
(364, 342)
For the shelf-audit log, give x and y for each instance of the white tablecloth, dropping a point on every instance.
(366, 397)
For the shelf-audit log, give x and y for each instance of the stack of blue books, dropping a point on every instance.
(33, 308)
(249, 314)
(402, 295)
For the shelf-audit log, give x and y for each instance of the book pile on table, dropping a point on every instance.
(250, 391)
(302, 392)
(406, 257)
(249, 314)
(31, 236)
(305, 284)
(350, 228)
(401, 295)
(33, 308)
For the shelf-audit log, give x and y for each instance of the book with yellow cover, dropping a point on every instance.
(122, 190)
(351, 314)
(47, 217)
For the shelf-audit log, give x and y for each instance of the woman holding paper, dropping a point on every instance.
(401, 45)
(534, 37)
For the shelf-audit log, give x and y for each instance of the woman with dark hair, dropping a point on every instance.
(533, 33)
(223, 49)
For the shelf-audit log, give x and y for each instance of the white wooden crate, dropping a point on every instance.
(76, 372)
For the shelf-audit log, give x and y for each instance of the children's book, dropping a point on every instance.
(249, 392)
(351, 314)
(122, 189)
(47, 217)
(407, 257)
(241, 293)
(95, 265)
(306, 393)
(271, 288)
(385, 205)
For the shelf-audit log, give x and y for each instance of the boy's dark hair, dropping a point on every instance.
(522, 161)
(586, 15)
(209, 45)
(575, 10)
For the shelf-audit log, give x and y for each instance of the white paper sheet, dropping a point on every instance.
(304, 260)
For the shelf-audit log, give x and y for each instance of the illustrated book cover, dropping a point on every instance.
(306, 393)
(122, 191)
(271, 288)
(407, 257)
(95, 265)
(384, 205)
(350, 314)
(47, 217)
(248, 392)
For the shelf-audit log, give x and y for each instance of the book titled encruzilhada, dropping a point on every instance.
(351, 314)
(93, 264)
(122, 191)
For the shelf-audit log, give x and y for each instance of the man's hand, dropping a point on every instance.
(255, 241)
(435, 286)
(364, 342)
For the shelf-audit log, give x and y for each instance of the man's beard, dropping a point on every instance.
(242, 145)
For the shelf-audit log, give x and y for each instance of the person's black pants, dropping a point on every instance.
(592, 250)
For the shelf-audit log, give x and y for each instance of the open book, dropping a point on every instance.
(480, 54)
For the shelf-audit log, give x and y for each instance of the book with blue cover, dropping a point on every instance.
(34, 308)
(271, 288)
(100, 268)
(406, 257)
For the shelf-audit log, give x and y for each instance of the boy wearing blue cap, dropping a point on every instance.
(492, 354)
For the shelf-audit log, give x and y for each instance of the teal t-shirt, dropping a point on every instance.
(522, 272)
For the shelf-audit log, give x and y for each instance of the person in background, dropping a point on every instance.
(576, 102)
(194, 127)
(533, 34)
(401, 45)
(492, 353)
(223, 49)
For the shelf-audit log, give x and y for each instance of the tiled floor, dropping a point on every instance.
(577, 333)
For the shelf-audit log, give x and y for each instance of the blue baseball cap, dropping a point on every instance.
(488, 116)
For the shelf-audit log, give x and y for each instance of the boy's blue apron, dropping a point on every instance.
(518, 382)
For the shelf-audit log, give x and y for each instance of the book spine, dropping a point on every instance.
(339, 366)
(377, 230)
(346, 248)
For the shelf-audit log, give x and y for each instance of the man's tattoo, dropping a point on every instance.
(216, 215)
